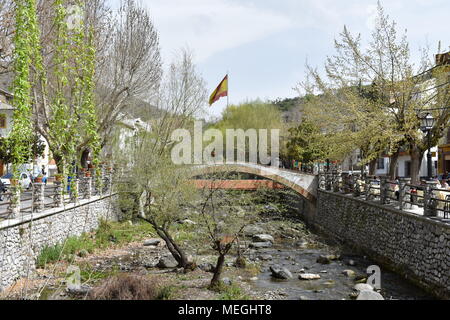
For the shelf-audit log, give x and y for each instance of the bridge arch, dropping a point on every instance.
(304, 184)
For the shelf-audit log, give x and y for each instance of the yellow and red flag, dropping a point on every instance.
(221, 91)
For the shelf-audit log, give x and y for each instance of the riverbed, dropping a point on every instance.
(333, 284)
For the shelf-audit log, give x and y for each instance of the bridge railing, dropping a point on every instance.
(41, 196)
(423, 200)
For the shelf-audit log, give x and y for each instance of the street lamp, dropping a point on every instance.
(426, 124)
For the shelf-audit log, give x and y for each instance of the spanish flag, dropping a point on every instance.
(221, 91)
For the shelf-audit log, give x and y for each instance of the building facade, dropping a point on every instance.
(6, 125)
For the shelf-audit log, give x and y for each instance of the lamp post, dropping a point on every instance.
(426, 124)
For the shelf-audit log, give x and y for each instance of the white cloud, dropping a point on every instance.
(211, 26)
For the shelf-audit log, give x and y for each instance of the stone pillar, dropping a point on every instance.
(367, 187)
(429, 209)
(87, 188)
(74, 188)
(58, 197)
(328, 181)
(383, 190)
(38, 197)
(401, 194)
(14, 202)
(94, 190)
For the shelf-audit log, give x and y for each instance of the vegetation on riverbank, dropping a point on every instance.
(109, 234)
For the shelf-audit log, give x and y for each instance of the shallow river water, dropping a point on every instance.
(333, 285)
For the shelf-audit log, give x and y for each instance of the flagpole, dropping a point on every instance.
(228, 93)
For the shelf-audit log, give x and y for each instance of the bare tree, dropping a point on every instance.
(130, 69)
(6, 34)
(223, 217)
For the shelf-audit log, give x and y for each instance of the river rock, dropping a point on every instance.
(261, 245)
(252, 230)
(167, 262)
(323, 260)
(363, 286)
(79, 291)
(327, 259)
(309, 276)
(280, 272)
(351, 263)
(263, 238)
(152, 242)
(265, 257)
(207, 267)
(349, 273)
(369, 295)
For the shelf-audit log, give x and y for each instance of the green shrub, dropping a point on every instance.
(49, 254)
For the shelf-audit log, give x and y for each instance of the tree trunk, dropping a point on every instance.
(393, 165)
(218, 271)
(373, 167)
(59, 162)
(416, 162)
(85, 157)
(170, 246)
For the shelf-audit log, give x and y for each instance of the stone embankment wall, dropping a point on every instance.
(416, 247)
(22, 239)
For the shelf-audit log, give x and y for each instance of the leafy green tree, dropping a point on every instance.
(251, 115)
(387, 119)
(307, 144)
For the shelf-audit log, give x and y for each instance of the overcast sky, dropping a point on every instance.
(264, 44)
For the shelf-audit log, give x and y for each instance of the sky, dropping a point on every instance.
(264, 44)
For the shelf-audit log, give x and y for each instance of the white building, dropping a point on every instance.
(6, 125)
(404, 165)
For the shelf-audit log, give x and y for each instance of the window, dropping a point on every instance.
(2, 121)
(380, 164)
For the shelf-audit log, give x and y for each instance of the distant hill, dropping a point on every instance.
(291, 108)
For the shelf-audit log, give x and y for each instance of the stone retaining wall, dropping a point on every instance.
(416, 247)
(22, 239)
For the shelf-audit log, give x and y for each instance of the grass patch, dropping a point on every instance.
(109, 234)
(49, 254)
(88, 274)
(232, 293)
(229, 292)
(166, 293)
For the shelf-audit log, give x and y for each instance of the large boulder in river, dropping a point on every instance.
(263, 238)
(369, 295)
(280, 272)
(167, 262)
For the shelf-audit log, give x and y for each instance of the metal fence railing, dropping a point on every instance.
(424, 199)
(42, 196)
